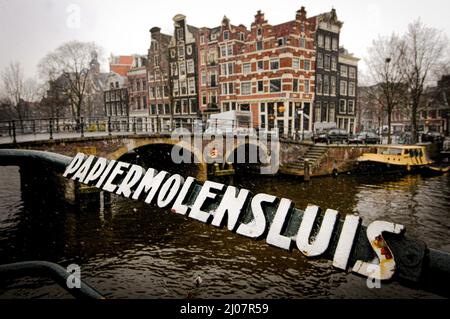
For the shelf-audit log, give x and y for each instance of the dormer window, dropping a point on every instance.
(180, 34)
(226, 35)
(242, 36)
(281, 42)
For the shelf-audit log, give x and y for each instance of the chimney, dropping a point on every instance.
(301, 14)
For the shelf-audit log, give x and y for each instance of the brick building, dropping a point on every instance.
(116, 95)
(208, 70)
(273, 74)
(138, 91)
(158, 80)
(184, 72)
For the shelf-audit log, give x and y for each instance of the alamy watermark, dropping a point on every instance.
(74, 279)
(73, 20)
(252, 148)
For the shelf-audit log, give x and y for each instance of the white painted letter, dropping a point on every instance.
(231, 205)
(196, 212)
(386, 269)
(109, 187)
(320, 244)
(96, 170)
(134, 175)
(172, 185)
(178, 207)
(274, 236)
(74, 164)
(150, 184)
(345, 243)
(257, 226)
(82, 172)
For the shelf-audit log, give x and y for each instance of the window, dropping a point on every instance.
(213, 79)
(181, 51)
(212, 56)
(260, 86)
(342, 106)
(260, 65)
(331, 112)
(351, 106)
(230, 88)
(203, 57)
(180, 34)
(327, 43)
(203, 98)
(183, 87)
(223, 50)
(190, 66)
(173, 53)
(294, 85)
(204, 80)
(156, 60)
(246, 88)
(175, 90)
(333, 63)
(326, 85)
(306, 86)
(302, 42)
(246, 68)
(281, 42)
(317, 111)
(320, 60)
(275, 85)
(302, 27)
(191, 84)
(320, 40)
(227, 88)
(202, 39)
(242, 36)
(182, 67)
(343, 71)
(259, 32)
(226, 35)
(343, 87)
(230, 68)
(333, 85)
(296, 63)
(352, 73)
(334, 44)
(230, 49)
(351, 88)
(307, 65)
(327, 62)
(138, 85)
(319, 83)
(274, 64)
(155, 46)
(259, 45)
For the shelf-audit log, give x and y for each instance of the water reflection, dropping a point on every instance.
(133, 250)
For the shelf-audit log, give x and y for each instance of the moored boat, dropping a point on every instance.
(404, 158)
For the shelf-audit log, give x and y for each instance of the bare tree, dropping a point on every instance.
(422, 52)
(68, 69)
(384, 70)
(17, 90)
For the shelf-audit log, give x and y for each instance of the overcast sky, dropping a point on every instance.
(31, 28)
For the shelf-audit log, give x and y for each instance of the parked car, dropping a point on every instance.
(365, 138)
(433, 137)
(337, 136)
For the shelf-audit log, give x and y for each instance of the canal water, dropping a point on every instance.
(132, 250)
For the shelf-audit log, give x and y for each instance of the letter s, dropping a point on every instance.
(386, 268)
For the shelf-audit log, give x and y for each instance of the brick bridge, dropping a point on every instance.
(292, 154)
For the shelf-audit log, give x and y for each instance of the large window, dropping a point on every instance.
(182, 68)
(342, 106)
(190, 66)
(274, 64)
(260, 65)
(351, 88)
(296, 63)
(351, 106)
(246, 68)
(294, 85)
(327, 43)
(333, 85)
(260, 86)
(275, 85)
(320, 60)
(352, 72)
(320, 40)
(306, 82)
(204, 78)
(246, 88)
(259, 45)
(319, 83)
(343, 71)
(181, 51)
(343, 87)
(326, 85)
(307, 65)
(327, 62)
(333, 63)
